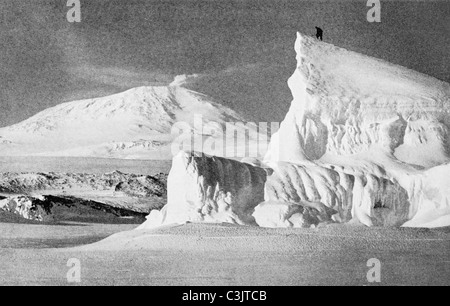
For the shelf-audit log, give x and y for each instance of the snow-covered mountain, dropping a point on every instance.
(364, 141)
(136, 124)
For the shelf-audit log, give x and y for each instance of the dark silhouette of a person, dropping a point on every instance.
(319, 33)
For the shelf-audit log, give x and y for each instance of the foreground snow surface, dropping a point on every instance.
(364, 141)
(220, 254)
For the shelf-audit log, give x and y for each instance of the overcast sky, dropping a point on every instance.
(120, 44)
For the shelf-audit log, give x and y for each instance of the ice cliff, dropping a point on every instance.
(365, 141)
(211, 189)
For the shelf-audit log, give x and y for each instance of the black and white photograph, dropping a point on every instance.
(224, 144)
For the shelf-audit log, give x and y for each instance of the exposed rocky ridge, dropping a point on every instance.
(58, 209)
(132, 192)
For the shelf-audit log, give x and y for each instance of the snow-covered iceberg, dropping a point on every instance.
(203, 188)
(365, 141)
(347, 103)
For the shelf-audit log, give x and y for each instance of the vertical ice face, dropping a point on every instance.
(210, 189)
(364, 141)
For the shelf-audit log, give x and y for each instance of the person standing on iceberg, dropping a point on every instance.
(319, 33)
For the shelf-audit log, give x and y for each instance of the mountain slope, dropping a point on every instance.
(137, 123)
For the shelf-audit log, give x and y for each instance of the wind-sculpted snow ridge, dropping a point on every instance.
(364, 141)
(136, 124)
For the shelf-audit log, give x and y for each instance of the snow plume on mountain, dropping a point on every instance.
(364, 141)
(141, 123)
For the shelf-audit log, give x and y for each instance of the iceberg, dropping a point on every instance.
(364, 142)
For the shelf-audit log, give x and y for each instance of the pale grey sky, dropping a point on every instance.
(44, 60)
